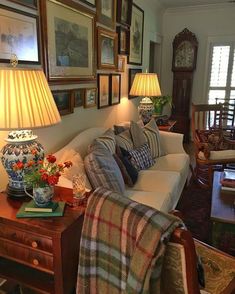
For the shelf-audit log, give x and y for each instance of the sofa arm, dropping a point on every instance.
(171, 142)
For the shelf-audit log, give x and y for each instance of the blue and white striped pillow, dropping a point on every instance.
(141, 157)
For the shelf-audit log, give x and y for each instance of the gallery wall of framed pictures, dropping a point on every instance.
(76, 42)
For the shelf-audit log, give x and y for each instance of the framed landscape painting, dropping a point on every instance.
(63, 100)
(90, 97)
(103, 90)
(107, 49)
(68, 41)
(78, 97)
(106, 12)
(115, 89)
(132, 73)
(18, 35)
(124, 9)
(136, 35)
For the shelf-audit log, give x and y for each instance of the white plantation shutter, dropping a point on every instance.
(222, 72)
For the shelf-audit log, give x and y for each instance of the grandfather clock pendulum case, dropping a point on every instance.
(184, 60)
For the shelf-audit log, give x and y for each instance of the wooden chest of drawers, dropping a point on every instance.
(41, 253)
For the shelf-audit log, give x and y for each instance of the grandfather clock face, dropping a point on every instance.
(184, 55)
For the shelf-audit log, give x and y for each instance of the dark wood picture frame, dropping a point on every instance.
(107, 44)
(131, 76)
(64, 101)
(71, 66)
(136, 36)
(78, 97)
(124, 9)
(102, 15)
(115, 89)
(20, 28)
(90, 97)
(123, 40)
(103, 90)
(89, 2)
(121, 63)
(32, 4)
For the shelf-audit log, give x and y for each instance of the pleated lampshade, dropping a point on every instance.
(145, 84)
(26, 100)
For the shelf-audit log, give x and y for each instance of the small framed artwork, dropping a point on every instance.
(106, 13)
(132, 73)
(64, 101)
(124, 9)
(68, 41)
(103, 90)
(115, 89)
(136, 35)
(90, 98)
(107, 49)
(121, 63)
(78, 97)
(18, 35)
(92, 3)
(29, 3)
(123, 40)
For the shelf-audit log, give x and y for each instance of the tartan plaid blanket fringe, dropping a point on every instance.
(122, 245)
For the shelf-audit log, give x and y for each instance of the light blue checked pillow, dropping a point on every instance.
(141, 157)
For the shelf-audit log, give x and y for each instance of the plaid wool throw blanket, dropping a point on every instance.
(122, 245)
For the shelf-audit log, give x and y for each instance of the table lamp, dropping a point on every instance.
(26, 103)
(145, 85)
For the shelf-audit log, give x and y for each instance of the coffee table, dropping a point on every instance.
(222, 215)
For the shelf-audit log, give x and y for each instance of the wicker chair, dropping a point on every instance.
(213, 151)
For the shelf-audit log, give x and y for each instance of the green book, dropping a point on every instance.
(32, 206)
(59, 211)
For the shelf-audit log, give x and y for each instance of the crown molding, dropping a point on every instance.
(199, 7)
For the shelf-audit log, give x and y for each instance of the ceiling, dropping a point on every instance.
(181, 3)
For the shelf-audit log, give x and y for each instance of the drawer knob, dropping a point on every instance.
(34, 244)
(35, 262)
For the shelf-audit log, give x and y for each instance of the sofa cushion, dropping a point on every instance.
(108, 140)
(137, 135)
(124, 140)
(126, 177)
(141, 157)
(102, 169)
(152, 135)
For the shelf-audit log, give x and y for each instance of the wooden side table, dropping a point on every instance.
(168, 127)
(40, 253)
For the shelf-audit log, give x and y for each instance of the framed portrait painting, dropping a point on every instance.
(106, 12)
(103, 90)
(115, 89)
(78, 97)
(136, 35)
(18, 35)
(132, 73)
(64, 101)
(123, 40)
(90, 97)
(68, 41)
(107, 49)
(29, 3)
(124, 9)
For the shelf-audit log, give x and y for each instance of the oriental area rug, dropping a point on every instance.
(195, 206)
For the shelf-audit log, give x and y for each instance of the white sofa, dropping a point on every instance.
(160, 186)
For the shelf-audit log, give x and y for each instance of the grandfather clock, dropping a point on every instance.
(185, 46)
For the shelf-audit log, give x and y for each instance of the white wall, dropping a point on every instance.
(55, 137)
(204, 22)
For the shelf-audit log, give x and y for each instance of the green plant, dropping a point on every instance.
(162, 100)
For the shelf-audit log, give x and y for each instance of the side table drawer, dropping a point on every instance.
(26, 238)
(27, 256)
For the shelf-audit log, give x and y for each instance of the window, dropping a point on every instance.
(222, 72)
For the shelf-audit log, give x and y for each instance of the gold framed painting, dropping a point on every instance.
(103, 90)
(121, 63)
(90, 97)
(115, 89)
(78, 97)
(106, 13)
(136, 35)
(64, 101)
(68, 38)
(107, 49)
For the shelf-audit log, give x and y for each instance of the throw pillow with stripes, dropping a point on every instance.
(108, 141)
(141, 157)
(124, 140)
(152, 135)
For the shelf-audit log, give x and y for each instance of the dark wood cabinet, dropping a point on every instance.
(183, 64)
(40, 253)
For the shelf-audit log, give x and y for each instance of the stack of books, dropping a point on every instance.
(30, 209)
(228, 180)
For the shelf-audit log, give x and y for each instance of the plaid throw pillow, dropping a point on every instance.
(141, 157)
